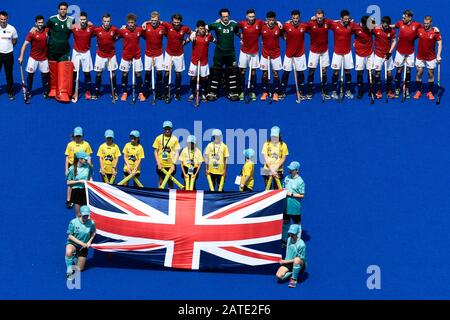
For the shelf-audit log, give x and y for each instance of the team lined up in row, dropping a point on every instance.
(373, 44)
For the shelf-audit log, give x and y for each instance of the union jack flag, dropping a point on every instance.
(188, 229)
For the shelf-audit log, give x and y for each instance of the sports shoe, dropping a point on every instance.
(430, 95)
(211, 96)
(309, 96)
(69, 275)
(124, 96)
(69, 205)
(418, 95)
(203, 97)
(141, 97)
(178, 97)
(191, 97)
(45, 95)
(407, 94)
(264, 96)
(87, 95)
(349, 94)
(11, 96)
(241, 96)
(282, 95)
(391, 94)
(397, 93)
(253, 96)
(360, 94)
(292, 283)
(116, 96)
(275, 97)
(379, 95)
(334, 95)
(326, 96)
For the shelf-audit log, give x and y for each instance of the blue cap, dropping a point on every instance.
(82, 155)
(191, 139)
(294, 165)
(167, 124)
(275, 132)
(109, 134)
(216, 133)
(294, 229)
(78, 131)
(135, 133)
(249, 153)
(85, 211)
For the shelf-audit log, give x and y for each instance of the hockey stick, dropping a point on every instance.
(321, 79)
(125, 180)
(341, 89)
(438, 98)
(372, 98)
(168, 98)
(133, 85)
(222, 182)
(169, 176)
(197, 92)
(111, 81)
(298, 99)
(24, 87)
(75, 94)
(268, 80)
(247, 96)
(153, 99)
(269, 183)
(386, 80)
(137, 182)
(404, 80)
(211, 186)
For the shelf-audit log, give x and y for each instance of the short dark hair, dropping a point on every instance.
(408, 13)
(295, 12)
(65, 4)
(386, 19)
(83, 14)
(201, 23)
(345, 13)
(428, 17)
(250, 11)
(320, 11)
(177, 16)
(131, 16)
(106, 15)
(4, 13)
(224, 10)
(39, 17)
(364, 19)
(271, 14)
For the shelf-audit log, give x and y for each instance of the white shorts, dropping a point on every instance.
(364, 63)
(300, 63)
(204, 70)
(399, 58)
(126, 65)
(158, 61)
(426, 64)
(275, 64)
(337, 61)
(248, 60)
(379, 63)
(313, 59)
(85, 58)
(102, 63)
(177, 61)
(33, 65)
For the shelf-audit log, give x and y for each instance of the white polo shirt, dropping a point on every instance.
(6, 36)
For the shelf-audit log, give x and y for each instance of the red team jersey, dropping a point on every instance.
(295, 39)
(200, 49)
(250, 36)
(406, 36)
(130, 40)
(154, 40)
(105, 41)
(38, 42)
(427, 44)
(271, 41)
(319, 35)
(175, 39)
(383, 41)
(342, 37)
(82, 38)
(363, 41)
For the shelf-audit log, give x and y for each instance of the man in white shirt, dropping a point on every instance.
(8, 39)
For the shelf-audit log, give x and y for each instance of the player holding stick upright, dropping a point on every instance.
(108, 154)
(364, 53)
(131, 55)
(270, 35)
(248, 56)
(81, 55)
(342, 56)
(216, 161)
(384, 46)
(191, 160)
(426, 56)
(294, 34)
(106, 55)
(166, 151)
(38, 56)
(133, 153)
(176, 34)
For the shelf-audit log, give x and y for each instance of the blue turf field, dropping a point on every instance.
(377, 179)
